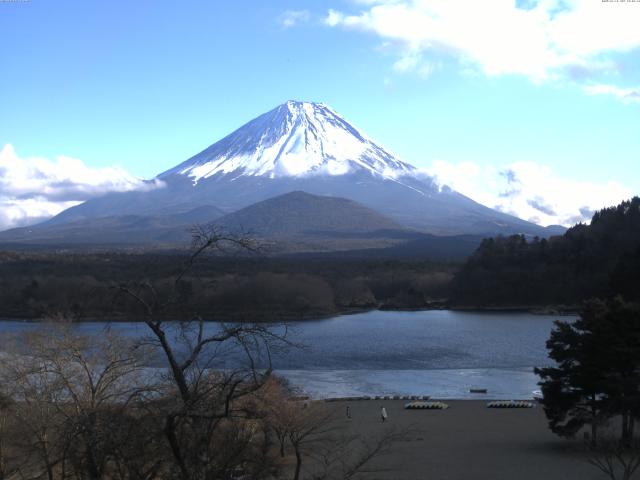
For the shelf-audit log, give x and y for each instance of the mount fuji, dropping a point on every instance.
(296, 147)
(296, 139)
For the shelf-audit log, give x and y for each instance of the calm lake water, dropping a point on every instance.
(438, 352)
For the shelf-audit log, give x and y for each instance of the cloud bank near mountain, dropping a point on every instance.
(529, 190)
(33, 189)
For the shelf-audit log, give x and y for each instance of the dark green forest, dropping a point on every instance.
(85, 286)
(597, 260)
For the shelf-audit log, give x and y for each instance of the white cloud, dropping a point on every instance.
(407, 62)
(529, 190)
(291, 18)
(545, 40)
(414, 61)
(627, 95)
(35, 188)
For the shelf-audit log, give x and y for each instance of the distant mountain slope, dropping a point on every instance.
(303, 214)
(117, 230)
(303, 146)
(295, 223)
(601, 259)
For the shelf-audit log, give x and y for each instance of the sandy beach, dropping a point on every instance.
(469, 441)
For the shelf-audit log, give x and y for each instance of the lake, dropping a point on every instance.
(441, 353)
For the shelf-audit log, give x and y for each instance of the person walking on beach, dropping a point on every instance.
(383, 414)
(348, 411)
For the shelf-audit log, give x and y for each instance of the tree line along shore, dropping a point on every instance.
(85, 287)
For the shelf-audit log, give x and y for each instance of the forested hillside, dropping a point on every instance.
(597, 260)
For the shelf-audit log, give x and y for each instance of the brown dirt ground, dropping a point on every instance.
(468, 441)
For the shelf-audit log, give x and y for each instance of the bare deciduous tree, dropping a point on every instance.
(7, 467)
(618, 460)
(208, 402)
(72, 391)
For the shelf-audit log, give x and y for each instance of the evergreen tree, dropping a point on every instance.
(597, 260)
(598, 369)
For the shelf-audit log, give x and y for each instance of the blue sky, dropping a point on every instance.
(144, 85)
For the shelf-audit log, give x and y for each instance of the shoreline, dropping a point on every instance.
(415, 398)
(475, 384)
(294, 317)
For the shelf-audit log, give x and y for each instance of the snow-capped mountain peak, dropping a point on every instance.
(296, 147)
(295, 139)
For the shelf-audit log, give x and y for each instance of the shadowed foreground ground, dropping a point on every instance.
(470, 441)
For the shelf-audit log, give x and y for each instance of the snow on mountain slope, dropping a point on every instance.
(294, 139)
